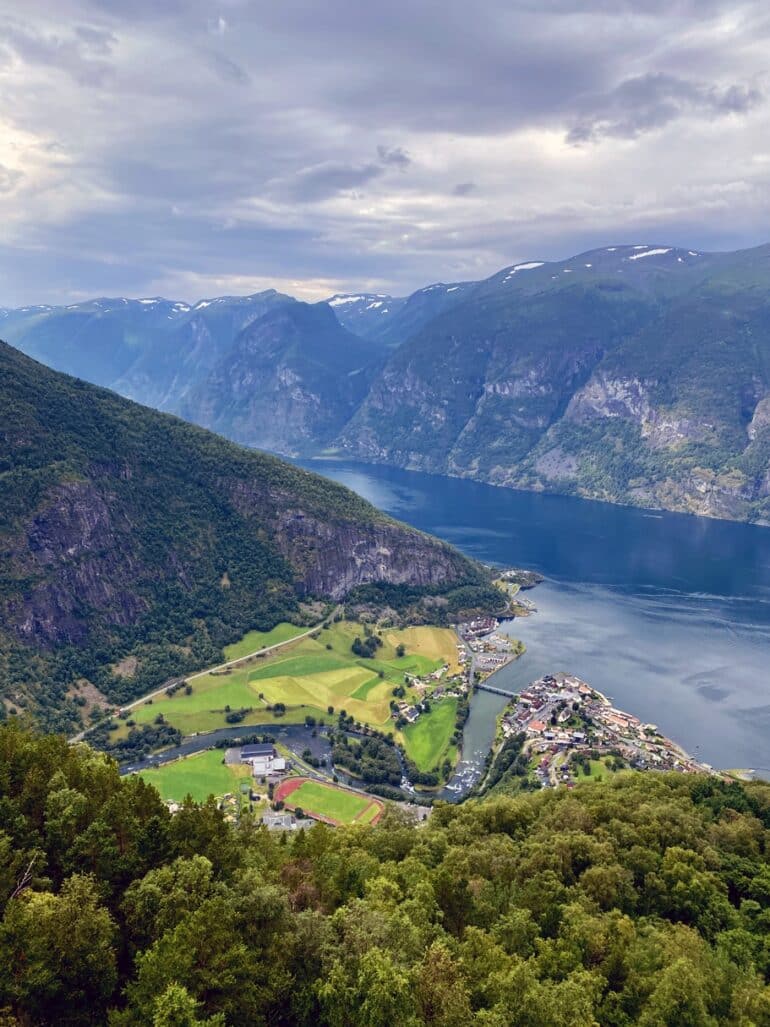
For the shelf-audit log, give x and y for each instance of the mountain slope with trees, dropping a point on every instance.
(644, 901)
(630, 374)
(134, 545)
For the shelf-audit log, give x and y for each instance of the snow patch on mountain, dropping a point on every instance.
(650, 253)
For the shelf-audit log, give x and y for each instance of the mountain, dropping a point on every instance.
(173, 361)
(290, 381)
(152, 350)
(133, 546)
(629, 373)
(365, 313)
(635, 374)
(388, 321)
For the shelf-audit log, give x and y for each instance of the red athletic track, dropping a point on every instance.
(287, 788)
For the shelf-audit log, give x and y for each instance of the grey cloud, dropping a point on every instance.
(653, 100)
(80, 54)
(396, 156)
(329, 178)
(9, 178)
(97, 40)
(227, 69)
(195, 128)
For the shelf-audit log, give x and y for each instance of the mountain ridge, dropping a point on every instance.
(596, 375)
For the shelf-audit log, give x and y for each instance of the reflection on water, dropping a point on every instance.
(669, 614)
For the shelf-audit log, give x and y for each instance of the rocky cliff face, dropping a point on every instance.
(70, 553)
(288, 383)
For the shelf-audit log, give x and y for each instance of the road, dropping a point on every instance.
(210, 670)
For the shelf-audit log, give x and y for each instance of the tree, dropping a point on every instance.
(58, 953)
(177, 1008)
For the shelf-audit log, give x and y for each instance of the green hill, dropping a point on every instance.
(134, 546)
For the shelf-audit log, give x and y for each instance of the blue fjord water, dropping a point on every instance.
(668, 614)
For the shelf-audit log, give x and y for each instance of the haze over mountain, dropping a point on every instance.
(636, 373)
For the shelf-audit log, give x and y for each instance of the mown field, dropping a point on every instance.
(312, 675)
(254, 640)
(324, 800)
(427, 741)
(200, 776)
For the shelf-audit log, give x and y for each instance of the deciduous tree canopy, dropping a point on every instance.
(641, 901)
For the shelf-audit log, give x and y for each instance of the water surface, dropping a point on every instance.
(669, 614)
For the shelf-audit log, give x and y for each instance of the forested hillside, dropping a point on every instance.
(645, 901)
(134, 546)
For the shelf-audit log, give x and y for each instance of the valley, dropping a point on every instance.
(409, 689)
(635, 374)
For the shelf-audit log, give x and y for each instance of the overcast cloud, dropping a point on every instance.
(191, 148)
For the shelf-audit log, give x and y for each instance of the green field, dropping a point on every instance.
(308, 676)
(599, 772)
(427, 741)
(327, 801)
(200, 776)
(255, 640)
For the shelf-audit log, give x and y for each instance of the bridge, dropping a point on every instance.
(495, 691)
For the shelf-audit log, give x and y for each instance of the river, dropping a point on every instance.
(669, 614)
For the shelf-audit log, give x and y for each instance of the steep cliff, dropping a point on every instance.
(630, 374)
(130, 533)
(288, 382)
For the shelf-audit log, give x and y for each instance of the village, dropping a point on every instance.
(481, 651)
(568, 725)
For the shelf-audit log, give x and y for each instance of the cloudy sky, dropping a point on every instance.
(191, 148)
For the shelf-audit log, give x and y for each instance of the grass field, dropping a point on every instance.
(200, 776)
(427, 741)
(599, 772)
(255, 640)
(437, 645)
(335, 804)
(308, 676)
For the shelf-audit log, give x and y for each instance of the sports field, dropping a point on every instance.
(199, 776)
(428, 740)
(327, 802)
(307, 676)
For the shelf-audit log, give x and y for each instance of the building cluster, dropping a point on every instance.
(565, 720)
(484, 647)
(263, 758)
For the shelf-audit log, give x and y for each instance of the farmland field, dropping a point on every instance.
(427, 741)
(200, 775)
(322, 800)
(307, 676)
(255, 640)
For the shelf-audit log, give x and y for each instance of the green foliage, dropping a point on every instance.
(641, 901)
(373, 758)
